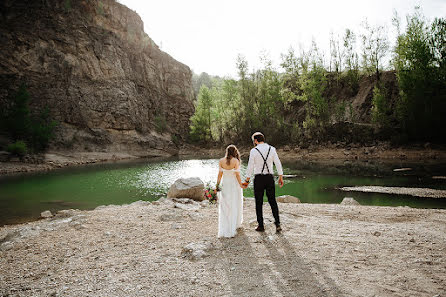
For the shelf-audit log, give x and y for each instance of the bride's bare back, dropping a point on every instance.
(233, 163)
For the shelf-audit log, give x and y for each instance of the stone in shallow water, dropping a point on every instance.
(46, 214)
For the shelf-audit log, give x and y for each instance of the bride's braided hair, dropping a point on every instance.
(232, 152)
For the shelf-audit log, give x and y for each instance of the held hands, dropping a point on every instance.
(245, 184)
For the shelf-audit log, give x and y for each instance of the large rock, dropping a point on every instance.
(349, 201)
(287, 199)
(192, 188)
(105, 81)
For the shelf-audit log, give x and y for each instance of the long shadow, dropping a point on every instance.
(297, 278)
(244, 273)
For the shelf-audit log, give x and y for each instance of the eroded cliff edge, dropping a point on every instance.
(105, 81)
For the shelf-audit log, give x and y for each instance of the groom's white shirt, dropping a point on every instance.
(255, 162)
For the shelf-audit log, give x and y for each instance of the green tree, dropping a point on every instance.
(375, 46)
(16, 117)
(420, 64)
(351, 61)
(17, 121)
(200, 129)
(381, 107)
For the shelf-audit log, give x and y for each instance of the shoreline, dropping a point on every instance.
(54, 160)
(166, 248)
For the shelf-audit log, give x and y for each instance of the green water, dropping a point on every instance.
(23, 197)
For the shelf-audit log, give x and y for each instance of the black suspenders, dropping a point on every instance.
(264, 160)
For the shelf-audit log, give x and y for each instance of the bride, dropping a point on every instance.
(230, 197)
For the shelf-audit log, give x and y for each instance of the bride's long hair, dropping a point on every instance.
(232, 152)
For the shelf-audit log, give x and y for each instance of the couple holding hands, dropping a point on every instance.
(230, 196)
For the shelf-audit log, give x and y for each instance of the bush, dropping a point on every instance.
(380, 107)
(17, 148)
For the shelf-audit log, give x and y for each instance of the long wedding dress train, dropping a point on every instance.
(230, 204)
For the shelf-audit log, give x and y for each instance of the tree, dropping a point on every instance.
(201, 120)
(17, 121)
(375, 46)
(351, 61)
(420, 65)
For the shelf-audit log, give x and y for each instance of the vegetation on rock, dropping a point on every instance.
(308, 96)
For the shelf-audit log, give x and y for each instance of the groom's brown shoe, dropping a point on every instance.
(260, 229)
(278, 229)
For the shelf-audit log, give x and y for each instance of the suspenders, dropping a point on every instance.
(264, 160)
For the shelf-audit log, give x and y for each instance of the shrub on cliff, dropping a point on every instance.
(17, 148)
(21, 125)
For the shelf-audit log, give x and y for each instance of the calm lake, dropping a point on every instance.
(24, 197)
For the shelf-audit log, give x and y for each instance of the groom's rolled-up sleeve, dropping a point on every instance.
(278, 163)
(250, 169)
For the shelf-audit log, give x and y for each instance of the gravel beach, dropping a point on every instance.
(169, 248)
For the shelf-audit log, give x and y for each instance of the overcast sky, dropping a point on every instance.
(208, 35)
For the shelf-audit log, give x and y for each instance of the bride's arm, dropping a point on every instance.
(220, 174)
(237, 174)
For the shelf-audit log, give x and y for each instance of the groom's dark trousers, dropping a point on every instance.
(262, 183)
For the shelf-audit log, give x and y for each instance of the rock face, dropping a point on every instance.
(191, 188)
(105, 81)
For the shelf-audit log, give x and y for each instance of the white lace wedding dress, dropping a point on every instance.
(230, 204)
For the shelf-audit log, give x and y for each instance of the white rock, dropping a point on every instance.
(46, 214)
(6, 246)
(287, 199)
(65, 213)
(184, 200)
(192, 187)
(189, 207)
(195, 251)
(349, 201)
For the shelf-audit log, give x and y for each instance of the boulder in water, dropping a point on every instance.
(46, 214)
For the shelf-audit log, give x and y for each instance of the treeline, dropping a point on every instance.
(229, 109)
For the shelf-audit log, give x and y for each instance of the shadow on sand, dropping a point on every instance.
(280, 272)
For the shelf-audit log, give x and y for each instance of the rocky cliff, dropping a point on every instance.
(106, 82)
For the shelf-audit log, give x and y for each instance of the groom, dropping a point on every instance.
(260, 163)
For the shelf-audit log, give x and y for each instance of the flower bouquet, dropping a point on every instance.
(211, 194)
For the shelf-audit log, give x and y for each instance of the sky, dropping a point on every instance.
(208, 35)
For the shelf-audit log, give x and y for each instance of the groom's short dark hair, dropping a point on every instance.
(258, 136)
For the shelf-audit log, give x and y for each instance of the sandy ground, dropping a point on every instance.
(140, 250)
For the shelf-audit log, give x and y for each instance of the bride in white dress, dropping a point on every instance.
(230, 196)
